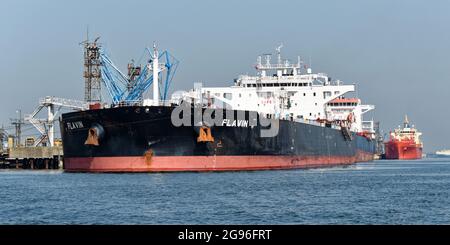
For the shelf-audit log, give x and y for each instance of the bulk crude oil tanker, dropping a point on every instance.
(284, 117)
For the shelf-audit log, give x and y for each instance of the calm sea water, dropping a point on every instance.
(393, 192)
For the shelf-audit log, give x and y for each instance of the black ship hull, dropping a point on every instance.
(144, 139)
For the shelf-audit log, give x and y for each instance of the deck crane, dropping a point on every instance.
(130, 87)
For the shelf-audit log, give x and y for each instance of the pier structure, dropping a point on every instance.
(43, 152)
(46, 126)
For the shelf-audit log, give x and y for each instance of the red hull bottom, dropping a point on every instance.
(206, 163)
(403, 151)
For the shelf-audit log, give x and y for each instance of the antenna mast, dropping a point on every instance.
(278, 49)
(155, 67)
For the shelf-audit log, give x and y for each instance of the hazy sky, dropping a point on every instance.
(398, 52)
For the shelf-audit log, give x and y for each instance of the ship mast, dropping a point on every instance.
(155, 76)
(278, 49)
(406, 122)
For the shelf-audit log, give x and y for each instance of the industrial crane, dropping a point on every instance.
(131, 87)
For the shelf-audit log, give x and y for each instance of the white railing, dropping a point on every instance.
(144, 103)
(69, 103)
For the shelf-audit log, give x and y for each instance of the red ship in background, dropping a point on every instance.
(404, 143)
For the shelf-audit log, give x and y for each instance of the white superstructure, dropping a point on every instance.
(287, 91)
(406, 133)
